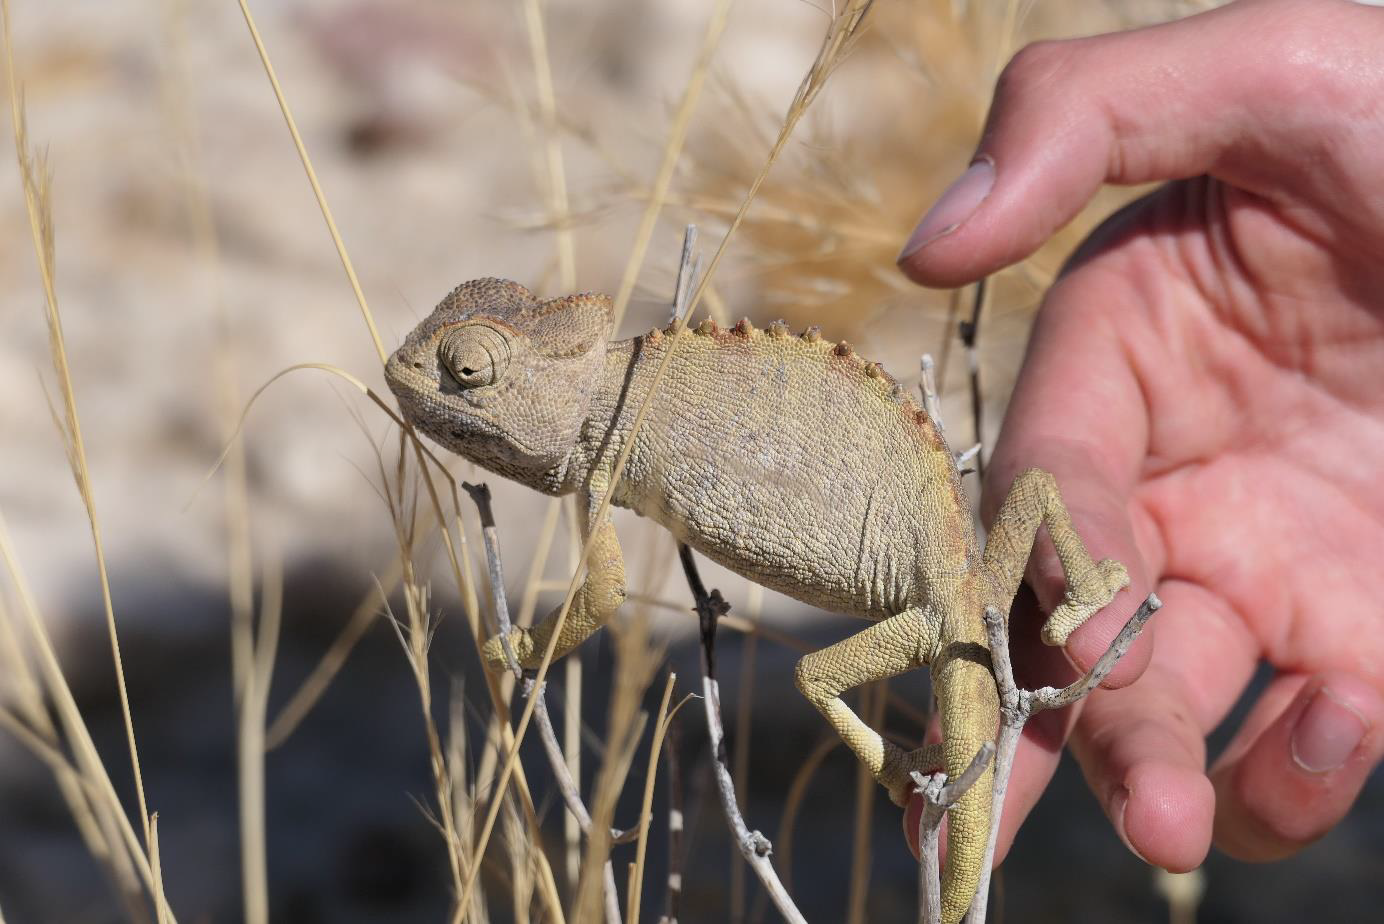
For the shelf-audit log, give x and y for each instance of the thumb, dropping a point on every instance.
(1230, 92)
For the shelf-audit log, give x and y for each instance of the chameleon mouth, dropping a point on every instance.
(407, 379)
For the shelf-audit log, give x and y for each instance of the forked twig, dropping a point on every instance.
(938, 796)
(753, 845)
(1016, 706)
(480, 495)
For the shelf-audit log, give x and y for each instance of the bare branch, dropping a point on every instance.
(753, 845)
(1016, 706)
(938, 796)
(480, 495)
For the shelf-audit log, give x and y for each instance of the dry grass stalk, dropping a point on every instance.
(635, 662)
(662, 721)
(33, 725)
(793, 802)
(35, 180)
(312, 179)
(459, 564)
(251, 657)
(253, 677)
(463, 790)
(841, 34)
(325, 670)
(161, 906)
(415, 636)
(520, 852)
(556, 174)
(672, 153)
(872, 701)
(126, 848)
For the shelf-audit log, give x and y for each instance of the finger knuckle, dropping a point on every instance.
(1037, 65)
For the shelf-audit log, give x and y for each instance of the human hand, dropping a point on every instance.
(1206, 382)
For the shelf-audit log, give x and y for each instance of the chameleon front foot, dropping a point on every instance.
(521, 641)
(1084, 598)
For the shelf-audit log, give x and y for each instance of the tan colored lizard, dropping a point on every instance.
(789, 460)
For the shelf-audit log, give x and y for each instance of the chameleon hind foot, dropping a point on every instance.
(1083, 598)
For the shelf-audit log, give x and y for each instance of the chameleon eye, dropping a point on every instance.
(476, 355)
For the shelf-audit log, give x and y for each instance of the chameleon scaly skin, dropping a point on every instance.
(786, 458)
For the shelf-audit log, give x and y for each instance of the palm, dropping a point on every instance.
(1259, 494)
(1257, 434)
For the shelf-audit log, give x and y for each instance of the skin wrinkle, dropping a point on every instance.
(1286, 638)
(1226, 642)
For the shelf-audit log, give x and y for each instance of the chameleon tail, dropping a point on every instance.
(969, 709)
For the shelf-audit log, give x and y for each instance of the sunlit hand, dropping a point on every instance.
(1206, 381)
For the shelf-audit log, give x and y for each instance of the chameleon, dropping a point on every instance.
(785, 457)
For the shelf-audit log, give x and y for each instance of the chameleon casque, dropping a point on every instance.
(786, 458)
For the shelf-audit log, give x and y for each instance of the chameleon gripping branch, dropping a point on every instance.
(787, 459)
(938, 797)
(1017, 706)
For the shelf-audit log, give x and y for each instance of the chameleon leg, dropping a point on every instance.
(1034, 500)
(889, 647)
(599, 596)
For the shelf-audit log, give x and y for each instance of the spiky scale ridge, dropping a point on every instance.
(778, 329)
(873, 370)
(743, 327)
(842, 349)
(707, 327)
(813, 334)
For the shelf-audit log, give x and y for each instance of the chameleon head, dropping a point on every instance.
(502, 378)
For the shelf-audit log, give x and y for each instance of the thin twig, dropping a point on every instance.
(744, 709)
(938, 796)
(1017, 705)
(970, 331)
(927, 384)
(753, 845)
(480, 495)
